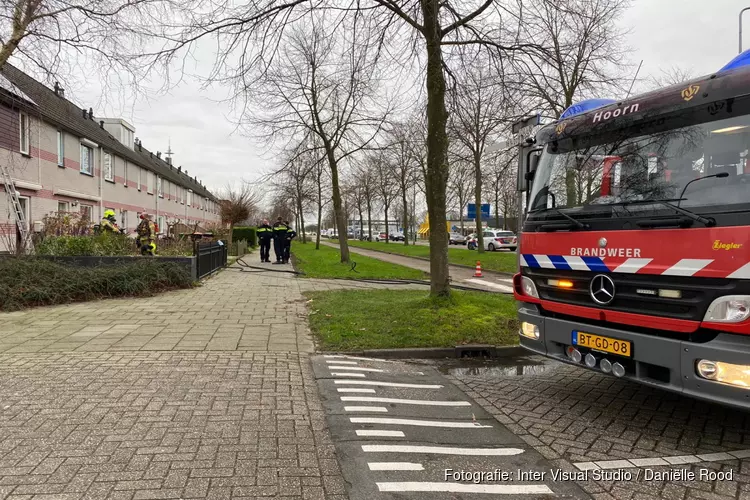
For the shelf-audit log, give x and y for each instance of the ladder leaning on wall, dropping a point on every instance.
(14, 203)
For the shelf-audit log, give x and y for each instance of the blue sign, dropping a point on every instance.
(471, 211)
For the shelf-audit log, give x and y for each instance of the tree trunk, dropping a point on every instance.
(497, 210)
(361, 225)
(406, 216)
(338, 212)
(320, 212)
(369, 220)
(387, 234)
(436, 179)
(478, 199)
(301, 226)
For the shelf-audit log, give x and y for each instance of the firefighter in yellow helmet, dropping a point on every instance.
(146, 239)
(109, 222)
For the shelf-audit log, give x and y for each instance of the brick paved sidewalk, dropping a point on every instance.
(203, 393)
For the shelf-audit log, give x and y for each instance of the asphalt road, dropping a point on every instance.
(405, 431)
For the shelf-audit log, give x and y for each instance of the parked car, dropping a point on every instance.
(496, 240)
(380, 237)
(399, 236)
(472, 242)
(456, 239)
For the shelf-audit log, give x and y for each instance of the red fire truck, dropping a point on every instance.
(634, 255)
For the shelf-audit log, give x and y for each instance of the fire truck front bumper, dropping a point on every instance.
(717, 371)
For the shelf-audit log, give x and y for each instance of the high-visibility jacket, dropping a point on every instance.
(265, 232)
(280, 230)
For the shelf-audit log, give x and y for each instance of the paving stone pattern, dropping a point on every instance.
(573, 415)
(203, 393)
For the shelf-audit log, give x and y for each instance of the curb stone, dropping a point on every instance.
(503, 273)
(490, 351)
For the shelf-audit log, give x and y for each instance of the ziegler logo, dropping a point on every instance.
(719, 245)
(690, 92)
(606, 252)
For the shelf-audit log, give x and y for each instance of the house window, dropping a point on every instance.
(124, 220)
(87, 212)
(161, 224)
(149, 182)
(87, 160)
(140, 170)
(189, 197)
(109, 168)
(125, 174)
(60, 149)
(63, 206)
(159, 188)
(24, 132)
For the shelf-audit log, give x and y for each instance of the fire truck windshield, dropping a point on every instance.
(588, 173)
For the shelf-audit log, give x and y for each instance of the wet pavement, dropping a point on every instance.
(402, 430)
(626, 441)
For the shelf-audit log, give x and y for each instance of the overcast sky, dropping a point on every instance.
(699, 35)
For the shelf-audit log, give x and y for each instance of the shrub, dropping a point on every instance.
(249, 234)
(28, 282)
(104, 244)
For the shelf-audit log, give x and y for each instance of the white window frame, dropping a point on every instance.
(150, 182)
(189, 197)
(90, 170)
(24, 130)
(125, 173)
(26, 209)
(91, 210)
(108, 172)
(159, 186)
(65, 204)
(123, 219)
(60, 149)
(140, 174)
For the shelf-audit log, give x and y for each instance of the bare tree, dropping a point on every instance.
(478, 114)
(295, 180)
(404, 170)
(501, 181)
(580, 44)
(667, 77)
(416, 33)
(366, 179)
(323, 88)
(461, 183)
(581, 48)
(383, 168)
(238, 204)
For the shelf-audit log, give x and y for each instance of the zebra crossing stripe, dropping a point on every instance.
(494, 489)
(441, 450)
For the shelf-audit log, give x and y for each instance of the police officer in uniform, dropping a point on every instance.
(279, 238)
(290, 234)
(265, 235)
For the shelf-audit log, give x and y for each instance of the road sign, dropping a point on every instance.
(471, 211)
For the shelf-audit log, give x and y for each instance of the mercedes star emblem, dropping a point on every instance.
(602, 242)
(602, 289)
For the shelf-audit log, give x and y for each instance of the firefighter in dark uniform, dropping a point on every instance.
(279, 237)
(265, 235)
(290, 234)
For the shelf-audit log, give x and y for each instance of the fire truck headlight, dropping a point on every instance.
(529, 330)
(729, 309)
(529, 288)
(726, 373)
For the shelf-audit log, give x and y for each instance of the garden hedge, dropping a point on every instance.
(27, 281)
(249, 234)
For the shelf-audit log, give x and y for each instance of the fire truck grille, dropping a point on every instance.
(641, 294)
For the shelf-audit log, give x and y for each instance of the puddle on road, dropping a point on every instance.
(518, 367)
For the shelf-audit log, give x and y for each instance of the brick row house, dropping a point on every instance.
(64, 159)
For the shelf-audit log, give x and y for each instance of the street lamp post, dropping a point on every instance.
(740, 18)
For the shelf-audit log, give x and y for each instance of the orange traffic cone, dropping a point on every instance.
(478, 272)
